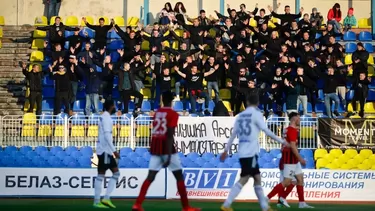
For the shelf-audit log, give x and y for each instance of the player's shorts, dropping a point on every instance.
(157, 162)
(249, 166)
(282, 176)
(291, 170)
(106, 161)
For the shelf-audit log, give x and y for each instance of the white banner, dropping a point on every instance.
(208, 134)
(74, 182)
(320, 185)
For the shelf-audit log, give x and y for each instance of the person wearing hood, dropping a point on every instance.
(316, 17)
(350, 21)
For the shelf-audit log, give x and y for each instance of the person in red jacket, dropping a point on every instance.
(334, 17)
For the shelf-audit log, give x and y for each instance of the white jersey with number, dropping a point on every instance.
(247, 127)
(105, 139)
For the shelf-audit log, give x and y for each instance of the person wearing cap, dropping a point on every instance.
(349, 20)
(316, 17)
(35, 79)
(62, 80)
(101, 31)
(359, 59)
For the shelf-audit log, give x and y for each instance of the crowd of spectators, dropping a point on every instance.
(282, 63)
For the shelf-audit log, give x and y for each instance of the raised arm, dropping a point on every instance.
(262, 126)
(179, 72)
(211, 71)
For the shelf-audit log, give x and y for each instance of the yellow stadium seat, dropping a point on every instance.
(27, 94)
(119, 20)
(29, 118)
(26, 106)
(321, 163)
(212, 33)
(372, 157)
(143, 131)
(225, 94)
(353, 162)
(179, 32)
(336, 152)
(331, 166)
(41, 21)
(2, 21)
(28, 130)
(78, 131)
(1, 44)
(227, 105)
(364, 23)
(371, 70)
(370, 60)
(52, 20)
(369, 162)
(204, 82)
(146, 93)
(359, 158)
(125, 131)
(350, 72)
(338, 162)
(348, 59)
(1, 32)
(89, 20)
(363, 167)
(39, 34)
(114, 131)
(346, 166)
(307, 132)
(373, 167)
(253, 22)
(351, 153)
(275, 20)
(166, 44)
(355, 117)
(106, 20)
(145, 46)
(271, 25)
(329, 157)
(36, 56)
(175, 45)
(37, 44)
(92, 131)
(366, 153)
(133, 21)
(71, 21)
(319, 153)
(59, 131)
(45, 131)
(344, 158)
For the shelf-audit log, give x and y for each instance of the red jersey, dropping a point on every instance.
(290, 135)
(164, 118)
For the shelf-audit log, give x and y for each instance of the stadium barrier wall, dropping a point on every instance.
(320, 185)
(193, 134)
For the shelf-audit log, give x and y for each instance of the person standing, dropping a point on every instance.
(360, 87)
(62, 81)
(106, 153)
(101, 31)
(35, 79)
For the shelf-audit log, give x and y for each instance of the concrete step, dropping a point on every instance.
(17, 34)
(15, 51)
(9, 62)
(19, 57)
(7, 100)
(11, 106)
(11, 94)
(11, 74)
(18, 28)
(11, 112)
(16, 45)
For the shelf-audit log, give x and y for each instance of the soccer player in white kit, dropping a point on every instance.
(106, 152)
(247, 127)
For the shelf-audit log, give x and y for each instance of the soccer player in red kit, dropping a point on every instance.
(163, 152)
(292, 161)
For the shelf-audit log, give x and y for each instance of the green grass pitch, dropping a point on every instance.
(156, 205)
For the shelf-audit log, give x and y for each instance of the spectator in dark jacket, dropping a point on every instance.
(359, 58)
(62, 81)
(35, 79)
(360, 87)
(287, 18)
(100, 32)
(220, 109)
(55, 29)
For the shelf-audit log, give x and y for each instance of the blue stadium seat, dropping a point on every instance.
(370, 98)
(208, 156)
(115, 56)
(180, 154)
(131, 165)
(178, 106)
(20, 159)
(230, 161)
(43, 164)
(276, 153)
(90, 33)
(68, 160)
(25, 149)
(66, 45)
(320, 95)
(269, 165)
(185, 161)
(47, 105)
(350, 36)
(76, 155)
(193, 155)
(261, 162)
(15, 154)
(236, 156)
(268, 157)
(46, 154)
(211, 106)
(48, 92)
(365, 36)
(320, 108)
(223, 165)
(10, 149)
(73, 164)
(68, 34)
(125, 151)
(36, 160)
(310, 164)
(350, 47)
(318, 35)
(276, 162)
(215, 161)
(131, 106)
(236, 165)
(86, 151)
(307, 153)
(146, 106)
(132, 155)
(193, 115)
(53, 159)
(40, 149)
(113, 35)
(79, 106)
(146, 155)
(31, 154)
(262, 152)
(208, 165)
(200, 161)
(115, 45)
(338, 39)
(369, 48)
(81, 95)
(84, 162)
(69, 150)
(61, 155)
(47, 81)
(141, 150)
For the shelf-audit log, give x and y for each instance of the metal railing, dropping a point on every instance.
(127, 131)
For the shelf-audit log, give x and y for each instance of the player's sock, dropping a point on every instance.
(301, 193)
(111, 185)
(261, 198)
(278, 189)
(236, 189)
(143, 192)
(183, 194)
(288, 190)
(98, 187)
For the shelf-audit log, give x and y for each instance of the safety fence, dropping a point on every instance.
(193, 134)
